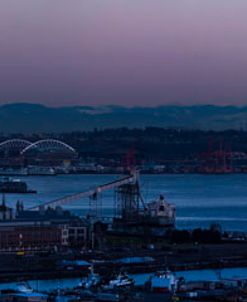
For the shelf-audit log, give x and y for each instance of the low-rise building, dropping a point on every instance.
(75, 234)
(40, 230)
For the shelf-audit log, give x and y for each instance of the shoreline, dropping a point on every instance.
(178, 258)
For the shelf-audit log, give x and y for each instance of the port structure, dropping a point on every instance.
(218, 160)
(127, 187)
(129, 201)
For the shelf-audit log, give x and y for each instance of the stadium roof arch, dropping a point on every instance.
(49, 144)
(15, 144)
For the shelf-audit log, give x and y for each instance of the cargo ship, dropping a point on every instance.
(138, 218)
(9, 185)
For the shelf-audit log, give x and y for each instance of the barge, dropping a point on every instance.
(9, 185)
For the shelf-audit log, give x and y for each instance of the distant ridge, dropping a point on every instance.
(31, 118)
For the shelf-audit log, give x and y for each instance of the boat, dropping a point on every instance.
(163, 282)
(161, 212)
(24, 287)
(91, 281)
(122, 280)
(157, 216)
(9, 185)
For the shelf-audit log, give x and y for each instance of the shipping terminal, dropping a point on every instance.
(47, 241)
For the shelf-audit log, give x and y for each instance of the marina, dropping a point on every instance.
(226, 279)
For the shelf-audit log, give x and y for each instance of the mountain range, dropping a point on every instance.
(33, 118)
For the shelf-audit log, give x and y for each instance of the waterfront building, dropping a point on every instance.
(44, 229)
(75, 234)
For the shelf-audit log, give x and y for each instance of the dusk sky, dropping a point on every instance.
(126, 52)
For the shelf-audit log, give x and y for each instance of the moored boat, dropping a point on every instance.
(163, 282)
(24, 287)
(122, 280)
(91, 281)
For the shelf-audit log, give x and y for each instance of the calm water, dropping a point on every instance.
(200, 199)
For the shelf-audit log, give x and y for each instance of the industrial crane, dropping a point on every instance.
(131, 179)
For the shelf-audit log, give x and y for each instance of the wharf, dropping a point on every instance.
(181, 257)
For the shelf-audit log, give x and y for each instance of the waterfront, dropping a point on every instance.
(199, 199)
(140, 279)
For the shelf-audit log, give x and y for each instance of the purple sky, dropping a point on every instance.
(130, 52)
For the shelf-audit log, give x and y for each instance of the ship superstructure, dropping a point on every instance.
(135, 216)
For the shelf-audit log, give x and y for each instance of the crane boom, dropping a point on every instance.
(92, 192)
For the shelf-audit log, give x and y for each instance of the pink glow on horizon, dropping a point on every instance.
(141, 52)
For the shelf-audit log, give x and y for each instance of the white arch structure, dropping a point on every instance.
(48, 143)
(15, 143)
